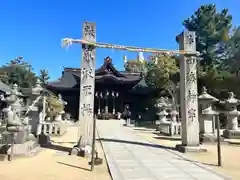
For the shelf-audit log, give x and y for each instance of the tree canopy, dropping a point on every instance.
(219, 47)
(233, 51)
(44, 76)
(212, 30)
(163, 73)
(18, 71)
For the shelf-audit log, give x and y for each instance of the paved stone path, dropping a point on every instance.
(130, 158)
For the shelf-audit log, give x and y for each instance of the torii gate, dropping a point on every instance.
(188, 85)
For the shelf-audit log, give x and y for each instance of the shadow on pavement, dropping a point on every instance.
(57, 147)
(65, 164)
(62, 142)
(145, 130)
(193, 161)
(168, 138)
(136, 143)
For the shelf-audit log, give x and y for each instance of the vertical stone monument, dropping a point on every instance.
(188, 93)
(87, 86)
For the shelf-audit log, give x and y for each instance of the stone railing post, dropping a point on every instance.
(206, 116)
(174, 115)
(175, 126)
(232, 113)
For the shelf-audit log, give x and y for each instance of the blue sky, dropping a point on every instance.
(34, 28)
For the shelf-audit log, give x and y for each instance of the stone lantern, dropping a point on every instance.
(58, 117)
(162, 114)
(17, 125)
(18, 131)
(232, 117)
(207, 114)
(36, 90)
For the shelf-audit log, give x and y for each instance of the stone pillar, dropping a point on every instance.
(188, 92)
(174, 115)
(113, 96)
(106, 98)
(174, 130)
(87, 86)
(98, 96)
(37, 119)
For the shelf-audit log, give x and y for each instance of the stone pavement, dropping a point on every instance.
(130, 158)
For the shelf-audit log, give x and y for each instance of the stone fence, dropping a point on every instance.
(52, 129)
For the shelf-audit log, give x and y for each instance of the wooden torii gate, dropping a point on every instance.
(188, 85)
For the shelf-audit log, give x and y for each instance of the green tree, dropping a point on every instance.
(163, 74)
(44, 76)
(233, 52)
(18, 71)
(212, 30)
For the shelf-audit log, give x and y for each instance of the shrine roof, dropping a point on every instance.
(141, 87)
(71, 76)
(68, 80)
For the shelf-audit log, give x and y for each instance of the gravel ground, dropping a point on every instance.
(51, 164)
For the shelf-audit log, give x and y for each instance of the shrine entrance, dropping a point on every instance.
(188, 82)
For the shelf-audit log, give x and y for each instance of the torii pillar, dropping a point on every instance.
(188, 93)
(87, 90)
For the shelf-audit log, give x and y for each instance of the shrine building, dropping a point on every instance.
(113, 89)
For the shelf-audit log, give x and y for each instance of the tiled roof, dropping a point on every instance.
(71, 76)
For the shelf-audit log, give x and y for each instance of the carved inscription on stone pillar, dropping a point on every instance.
(191, 85)
(87, 90)
(87, 85)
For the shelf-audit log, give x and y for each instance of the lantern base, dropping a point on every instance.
(184, 149)
(209, 137)
(231, 134)
(83, 152)
(29, 148)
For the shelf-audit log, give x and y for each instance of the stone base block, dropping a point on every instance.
(21, 137)
(44, 140)
(209, 137)
(184, 149)
(75, 151)
(29, 148)
(97, 161)
(83, 152)
(231, 134)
